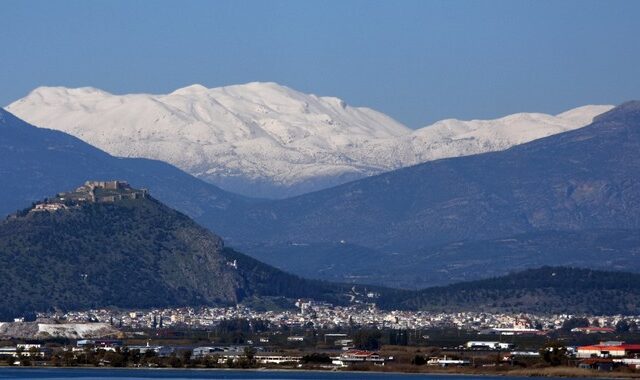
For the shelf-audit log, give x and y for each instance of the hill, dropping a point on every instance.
(112, 245)
(267, 140)
(549, 290)
(35, 160)
(586, 179)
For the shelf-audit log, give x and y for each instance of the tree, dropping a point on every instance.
(419, 360)
(174, 361)
(249, 353)
(316, 358)
(367, 339)
(115, 359)
(622, 326)
(186, 357)
(9, 359)
(554, 353)
(572, 323)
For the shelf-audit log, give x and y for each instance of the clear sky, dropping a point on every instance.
(418, 61)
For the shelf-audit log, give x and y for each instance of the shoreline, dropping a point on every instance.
(546, 372)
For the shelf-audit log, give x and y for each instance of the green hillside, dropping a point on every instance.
(553, 290)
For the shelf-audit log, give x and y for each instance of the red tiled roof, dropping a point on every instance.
(359, 353)
(619, 347)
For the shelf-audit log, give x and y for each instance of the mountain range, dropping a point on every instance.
(268, 140)
(586, 178)
(567, 199)
(561, 188)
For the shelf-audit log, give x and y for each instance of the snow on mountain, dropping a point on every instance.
(263, 139)
(454, 138)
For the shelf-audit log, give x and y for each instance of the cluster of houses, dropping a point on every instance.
(235, 353)
(31, 351)
(604, 356)
(326, 316)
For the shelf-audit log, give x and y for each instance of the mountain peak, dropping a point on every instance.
(192, 89)
(52, 91)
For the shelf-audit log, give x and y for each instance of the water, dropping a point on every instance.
(145, 374)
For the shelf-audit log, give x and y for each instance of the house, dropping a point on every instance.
(50, 207)
(512, 331)
(31, 350)
(223, 353)
(609, 349)
(593, 330)
(358, 356)
(482, 345)
(277, 359)
(446, 362)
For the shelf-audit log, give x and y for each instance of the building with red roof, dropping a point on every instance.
(358, 356)
(609, 349)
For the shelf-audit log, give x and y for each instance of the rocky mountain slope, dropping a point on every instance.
(267, 140)
(586, 179)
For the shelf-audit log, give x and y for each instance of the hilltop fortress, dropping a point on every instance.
(107, 191)
(91, 192)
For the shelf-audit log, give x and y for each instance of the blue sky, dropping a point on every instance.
(418, 61)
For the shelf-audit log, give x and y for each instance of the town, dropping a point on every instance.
(318, 335)
(322, 315)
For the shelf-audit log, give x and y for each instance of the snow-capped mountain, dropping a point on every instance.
(267, 140)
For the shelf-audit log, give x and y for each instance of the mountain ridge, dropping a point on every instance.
(267, 140)
(582, 180)
(56, 160)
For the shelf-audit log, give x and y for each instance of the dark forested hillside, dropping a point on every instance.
(544, 290)
(131, 253)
